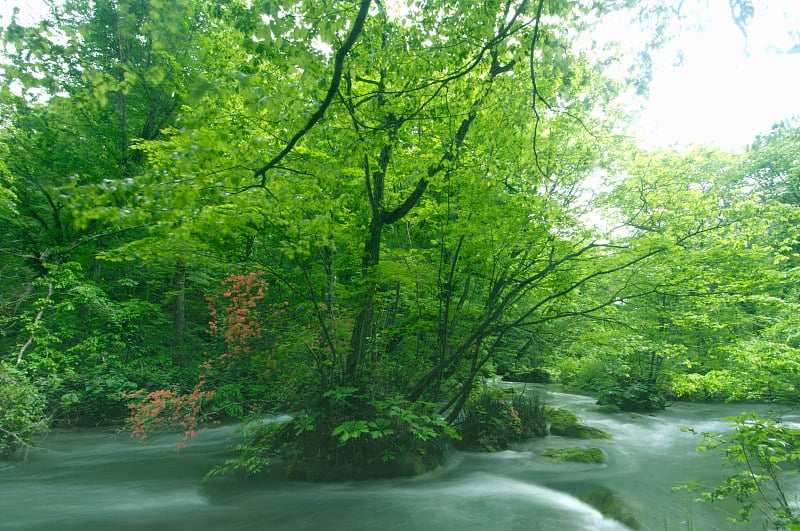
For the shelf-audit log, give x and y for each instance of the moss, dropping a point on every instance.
(566, 424)
(612, 505)
(589, 432)
(560, 417)
(575, 455)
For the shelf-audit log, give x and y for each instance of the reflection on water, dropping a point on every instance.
(96, 479)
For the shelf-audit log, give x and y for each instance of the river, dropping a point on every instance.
(95, 479)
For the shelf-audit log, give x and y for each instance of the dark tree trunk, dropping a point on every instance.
(363, 333)
(179, 304)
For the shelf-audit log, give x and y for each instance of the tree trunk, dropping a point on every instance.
(179, 308)
(363, 333)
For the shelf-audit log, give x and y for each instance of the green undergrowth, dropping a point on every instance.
(347, 436)
(22, 414)
(761, 456)
(494, 419)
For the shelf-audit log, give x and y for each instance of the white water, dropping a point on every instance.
(95, 479)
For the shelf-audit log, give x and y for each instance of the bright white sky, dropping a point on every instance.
(29, 10)
(719, 95)
(722, 94)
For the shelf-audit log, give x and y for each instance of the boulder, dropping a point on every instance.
(566, 424)
(576, 455)
(611, 505)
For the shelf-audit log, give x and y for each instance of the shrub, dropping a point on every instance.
(96, 398)
(523, 373)
(167, 410)
(631, 394)
(254, 453)
(347, 435)
(492, 420)
(633, 381)
(762, 452)
(21, 411)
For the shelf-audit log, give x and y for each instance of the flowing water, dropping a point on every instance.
(101, 480)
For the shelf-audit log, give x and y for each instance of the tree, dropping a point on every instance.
(407, 180)
(695, 320)
(80, 89)
(383, 174)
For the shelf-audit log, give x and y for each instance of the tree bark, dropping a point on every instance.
(362, 337)
(179, 310)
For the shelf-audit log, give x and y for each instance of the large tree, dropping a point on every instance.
(409, 177)
(364, 157)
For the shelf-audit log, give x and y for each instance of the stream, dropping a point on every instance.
(96, 479)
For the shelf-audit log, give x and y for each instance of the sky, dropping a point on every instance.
(29, 10)
(724, 92)
(727, 89)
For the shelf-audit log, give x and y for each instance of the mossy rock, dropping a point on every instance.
(559, 417)
(576, 455)
(589, 432)
(611, 505)
(561, 421)
(406, 464)
(566, 424)
(634, 396)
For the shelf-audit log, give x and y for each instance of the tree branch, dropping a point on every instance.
(35, 322)
(338, 68)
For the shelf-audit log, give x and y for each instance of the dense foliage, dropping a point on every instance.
(346, 435)
(492, 420)
(21, 411)
(358, 211)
